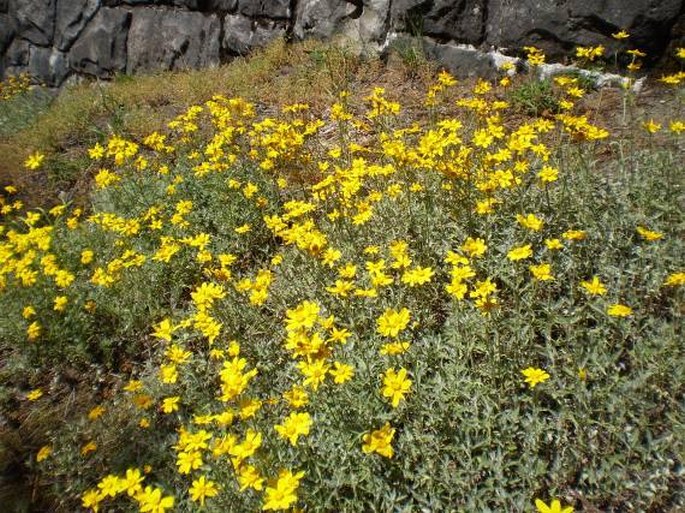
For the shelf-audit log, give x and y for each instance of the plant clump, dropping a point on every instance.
(361, 310)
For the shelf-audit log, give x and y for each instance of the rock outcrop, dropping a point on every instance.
(53, 39)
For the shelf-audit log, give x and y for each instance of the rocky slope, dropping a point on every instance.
(56, 39)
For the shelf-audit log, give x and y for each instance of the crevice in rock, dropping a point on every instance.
(484, 22)
(358, 9)
(292, 20)
(413, 18)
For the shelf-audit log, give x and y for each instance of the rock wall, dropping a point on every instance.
(55, 39)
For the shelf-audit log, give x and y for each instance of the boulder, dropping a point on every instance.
(48, 65)
(219, 6)
(456, 20)
(558, 27)
(8, 29)
(322, 18)
(187, 4)
(241, 33)
(273, 9)
(35, 20)
(71, 18)
(363, 23)
(462, 61)
(100, 50)
(167, 39)
(17, 54)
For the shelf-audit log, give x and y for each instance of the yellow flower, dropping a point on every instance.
(675, 279)
(132, 482)
(294, 426)
(34, 161)
(168, 374)
(110, 486)
(619, 310)
(396, 385)
(248, 477)
(201, 489)
(535, 56)
(391, 322)
(87, 256)
(553, 244)
(91, 499)
(88, 448)
(341, 372)
(652, 126)
(542, 272)
(151, 501)
(417, 276)
(133, 385)
(621, 34)
(554, 507)
(379, 441)
(60, 303)
(34, 395)
(548, 174)
(170, 404)
(314, 372)
(283, 493)
(395, 348)
(594, 287)
(33, 331)
(530, 221)
(297, 397)
(648, 234)
(96, 412)
(187, 461)
(676, 126)
(164, 330)
(520, 253)
(43, 453)
(534, 376)
(574, 234)
(474, 247)
(303, 316)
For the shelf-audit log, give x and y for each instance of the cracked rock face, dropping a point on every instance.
(557, 29)
(166, 39)
(53, 39)
(101, 49)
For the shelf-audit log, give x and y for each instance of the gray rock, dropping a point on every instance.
(371, 27)
(558, 27)
(457, 20)
(71, 17)
(273, 9)
(101, 48)
(173, 34)
(322, 18)
(170, 39)
(35, 19)
(17, 54)
(211, 6)
(8, 29)
(220, 6)
(48, 65)
(362, 23)
(188, 4)
(461, 60)
(241, 33)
